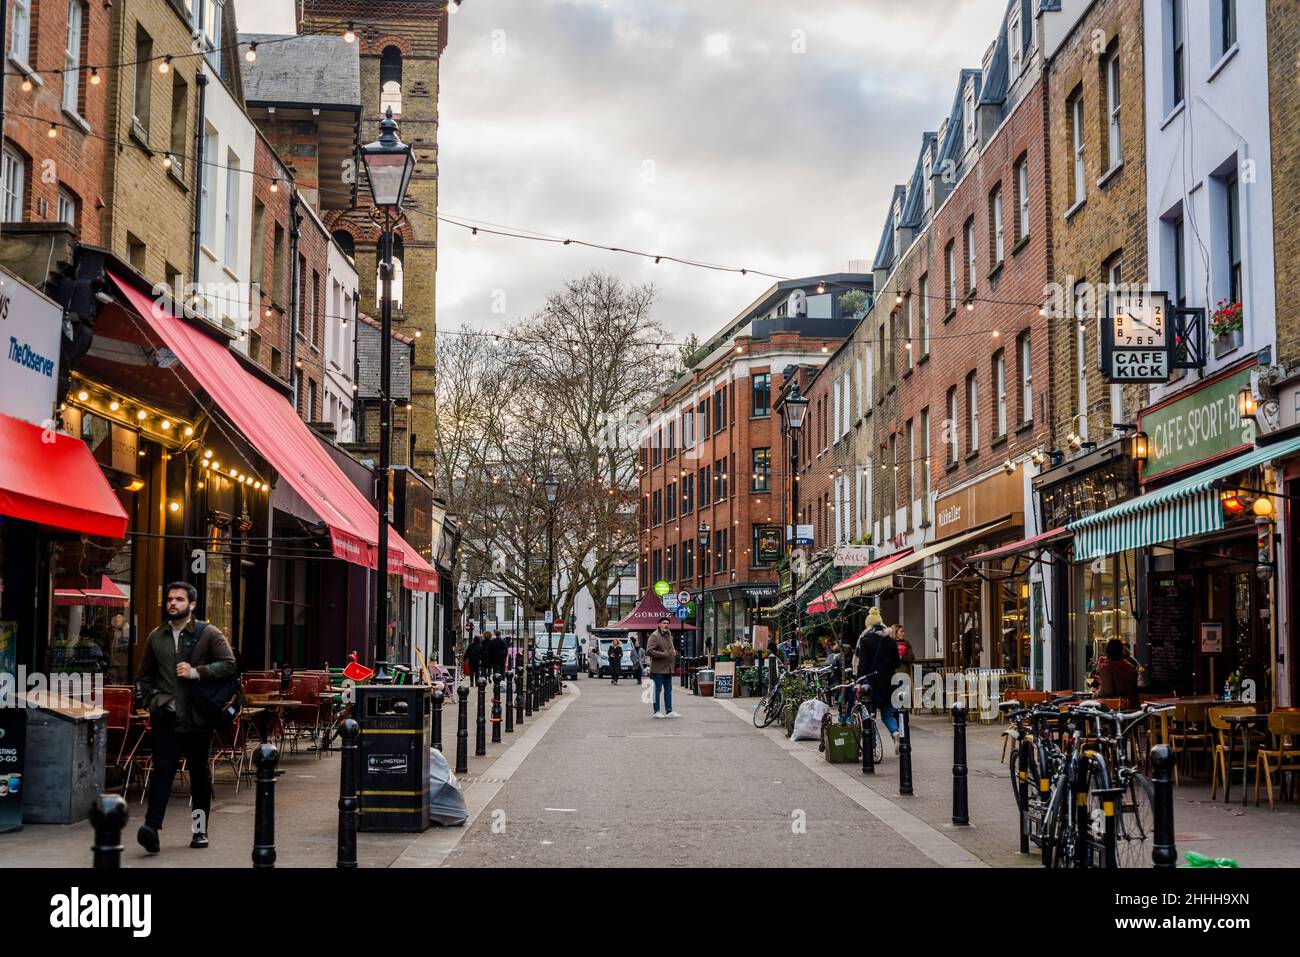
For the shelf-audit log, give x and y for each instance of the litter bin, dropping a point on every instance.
(393, 750)
(63, 770)
(704, 683)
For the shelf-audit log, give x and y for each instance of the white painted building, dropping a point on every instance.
(1209, 187)
(340, 341)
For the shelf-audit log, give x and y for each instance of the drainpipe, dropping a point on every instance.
(294, 219)
(357, 423)
(202, 80)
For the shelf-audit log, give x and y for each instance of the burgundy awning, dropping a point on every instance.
(645, 616)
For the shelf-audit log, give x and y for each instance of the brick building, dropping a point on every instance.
(60, 179)
(713, 455)
(400, 43)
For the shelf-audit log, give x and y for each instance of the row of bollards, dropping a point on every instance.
(536, 684)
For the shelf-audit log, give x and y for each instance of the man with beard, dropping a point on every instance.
(180, 652)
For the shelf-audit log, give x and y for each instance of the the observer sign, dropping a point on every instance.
(1196, 426)
(30, 326)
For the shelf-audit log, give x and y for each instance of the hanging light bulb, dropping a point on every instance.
(275, 184)
(970, 305)
(27, 84)
(166, 65)
(94, 76)
(898, 298)
(114, 405)
(167, 161)
(83, 395)
(348, 35)
(52, 132)
(251, 53)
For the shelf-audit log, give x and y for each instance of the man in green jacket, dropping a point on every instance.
(175, 656)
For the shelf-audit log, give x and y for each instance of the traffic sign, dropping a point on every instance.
(662, 588)
(683, 612)
(550, 616)
(670, 602)
(683, 598)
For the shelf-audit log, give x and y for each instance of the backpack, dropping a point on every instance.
(217, 702)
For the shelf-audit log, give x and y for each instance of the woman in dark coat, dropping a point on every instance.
(615, 659)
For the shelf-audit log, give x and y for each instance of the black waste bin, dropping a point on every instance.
(396, 734)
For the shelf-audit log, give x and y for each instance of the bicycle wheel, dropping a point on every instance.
(1136, 825)
(1058, 831)
(768, 708)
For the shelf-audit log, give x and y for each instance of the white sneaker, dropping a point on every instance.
(672, 714)
(658, 714)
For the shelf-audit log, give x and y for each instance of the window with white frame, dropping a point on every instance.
(950, 264)
(1076, 145)
(208, 188)
(911, 463)
(11, 189)
(927, 167)
(1114, 153)
(1176, 66)
(909, 346)
(995, 212)
(211, 32)
(1014, 44)
(950, 427)
(925, 463)
(20, 30)
(848, 393)
(67, 207)
(1026, 380)
(924, 305)
(835, 422)
(1000, 391)
(972, 413)
(968, 113)
(857, 381)
(971, 267)
(871, 374)
(1022, 197)
(72, 57)
(232, 210)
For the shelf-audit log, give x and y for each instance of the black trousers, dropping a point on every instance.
(169, 747)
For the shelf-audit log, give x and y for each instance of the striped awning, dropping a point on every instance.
(1182, 510)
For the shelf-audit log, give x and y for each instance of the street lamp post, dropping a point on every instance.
(552, 485)
(793, 408)
(389, 164)
(699, 605)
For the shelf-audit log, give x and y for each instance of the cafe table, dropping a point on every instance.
(1247, 723)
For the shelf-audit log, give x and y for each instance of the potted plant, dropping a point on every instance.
(1226, 319)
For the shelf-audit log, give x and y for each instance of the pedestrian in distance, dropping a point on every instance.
(497, 651)
(615, 659)
(178, 654)
(474, 657)
(877, 662)
(662, 652)
(636, 661)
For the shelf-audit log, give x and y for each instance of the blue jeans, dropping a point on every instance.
(664, 683)
(889, 715)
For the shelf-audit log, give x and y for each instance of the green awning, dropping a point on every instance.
(1181, 510)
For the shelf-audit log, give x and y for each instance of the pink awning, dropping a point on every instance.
(1024, 545)
(107, 594)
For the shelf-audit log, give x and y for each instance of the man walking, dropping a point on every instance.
(497, 650)
(474, 658)
(178, 653)
(663, 658)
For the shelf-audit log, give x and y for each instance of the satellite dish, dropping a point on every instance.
(797, 304)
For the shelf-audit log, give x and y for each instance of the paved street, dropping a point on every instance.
(593, 780)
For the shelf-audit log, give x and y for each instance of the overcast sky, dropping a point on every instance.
(760, 133)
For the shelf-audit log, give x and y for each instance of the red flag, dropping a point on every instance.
(357, 671)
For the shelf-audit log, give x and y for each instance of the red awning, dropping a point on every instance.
(645, 616)
(52, 479)
(1024, 545)
(822, 603)
(107, 594)
(272, 426)
(875, 566)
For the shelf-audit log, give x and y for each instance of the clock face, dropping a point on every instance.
(1139, 320)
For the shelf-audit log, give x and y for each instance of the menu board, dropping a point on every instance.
(724, 679)
(1170, 642)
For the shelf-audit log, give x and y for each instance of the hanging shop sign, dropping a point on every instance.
(768, 544)
(1196, 426)
(854, 556)
(30, 326)
(1136, 340)
(799, 534)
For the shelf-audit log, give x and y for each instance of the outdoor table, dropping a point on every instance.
(1245, 722)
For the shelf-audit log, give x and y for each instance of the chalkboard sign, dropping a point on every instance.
(1170, 640)
(724, 680)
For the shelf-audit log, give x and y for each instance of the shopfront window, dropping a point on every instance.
(90, 628)
(1011, 589)
(1103, 608)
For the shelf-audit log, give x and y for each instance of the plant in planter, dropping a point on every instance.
(1226, 319)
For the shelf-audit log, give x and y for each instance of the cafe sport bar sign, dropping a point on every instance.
(1196, 426)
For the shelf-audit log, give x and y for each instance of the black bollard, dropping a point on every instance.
(437, 715)
(519, 694)
(868, 743)
(528, 690)
(1022, 789)
(905, 754)
(960, 806)
(349, 804)
(108, 816)
(1164, 852)
(462, 730)
(496, 709)
(510, 701)
(266, 757)
(480, 720)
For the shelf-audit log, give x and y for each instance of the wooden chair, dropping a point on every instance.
(304, 720)
(1283, 757)
(1222, 743)
(1188, 733)
(119, 701)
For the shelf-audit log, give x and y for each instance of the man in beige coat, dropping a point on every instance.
(663, 656)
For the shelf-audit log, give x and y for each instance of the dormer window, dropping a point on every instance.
(968, 114)
(928, 184)
(1015, 44)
